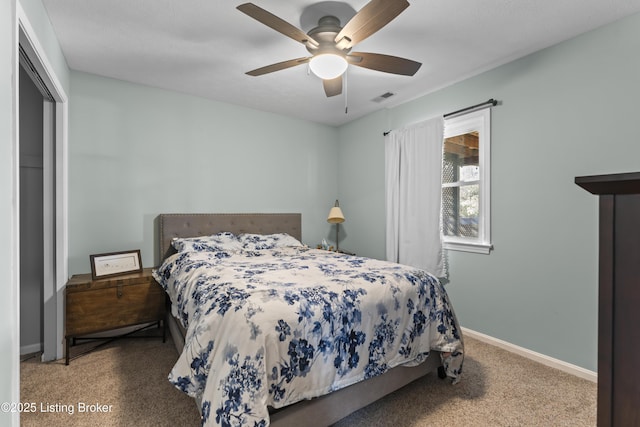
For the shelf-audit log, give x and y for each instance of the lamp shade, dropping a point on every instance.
(335, 215)
(328, 66)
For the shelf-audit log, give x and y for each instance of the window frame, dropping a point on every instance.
(480, 121)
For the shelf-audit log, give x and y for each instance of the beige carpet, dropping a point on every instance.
(127, 378)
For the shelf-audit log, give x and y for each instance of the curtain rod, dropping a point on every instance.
(473, 107)
(491, 101)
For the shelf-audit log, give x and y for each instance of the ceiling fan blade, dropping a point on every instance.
(278, 24)
(372, 17)
(332, 87)
(278, 66)
(385, 63)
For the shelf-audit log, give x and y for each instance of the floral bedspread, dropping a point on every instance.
(272, 327)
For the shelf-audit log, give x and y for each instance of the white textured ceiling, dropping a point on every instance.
(204, 47)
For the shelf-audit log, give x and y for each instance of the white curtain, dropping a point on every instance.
(413, 173)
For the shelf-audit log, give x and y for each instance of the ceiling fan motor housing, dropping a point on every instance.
(325, 34)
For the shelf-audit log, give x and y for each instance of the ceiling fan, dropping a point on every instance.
(330, 44)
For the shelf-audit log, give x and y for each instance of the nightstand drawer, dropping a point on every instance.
(102, 309)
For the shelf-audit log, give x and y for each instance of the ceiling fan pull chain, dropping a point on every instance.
(346, 92)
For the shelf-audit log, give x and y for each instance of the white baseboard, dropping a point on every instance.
(532, 355)
(31, 348)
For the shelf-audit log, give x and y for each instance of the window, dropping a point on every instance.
(466, 182)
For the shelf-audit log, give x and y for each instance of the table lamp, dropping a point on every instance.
(336, 217)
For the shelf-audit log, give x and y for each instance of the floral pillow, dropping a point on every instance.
(221, 242)
(256, 242)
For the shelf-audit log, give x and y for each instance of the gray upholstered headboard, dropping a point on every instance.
(192, 225)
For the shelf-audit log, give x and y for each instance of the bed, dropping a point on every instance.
(287, 356)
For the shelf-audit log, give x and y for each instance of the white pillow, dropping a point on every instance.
(224, 241)
(256, 242)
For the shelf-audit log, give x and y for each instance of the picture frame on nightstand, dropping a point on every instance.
(115, 263)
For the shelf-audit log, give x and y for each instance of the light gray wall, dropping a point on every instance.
(46, 37)
(361, 178)
(136, 152)
(566, 111)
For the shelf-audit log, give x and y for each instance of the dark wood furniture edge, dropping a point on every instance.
(77, 280)
(620, 183)
(606, 243)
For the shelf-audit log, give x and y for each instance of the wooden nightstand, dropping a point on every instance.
(105, 304)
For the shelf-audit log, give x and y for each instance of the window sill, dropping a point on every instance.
(478, 248)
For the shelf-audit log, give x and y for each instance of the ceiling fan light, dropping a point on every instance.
(328, 66)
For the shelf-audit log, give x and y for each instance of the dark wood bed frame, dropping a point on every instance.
(321, 411)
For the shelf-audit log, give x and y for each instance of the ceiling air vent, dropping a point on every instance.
(382, 97)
